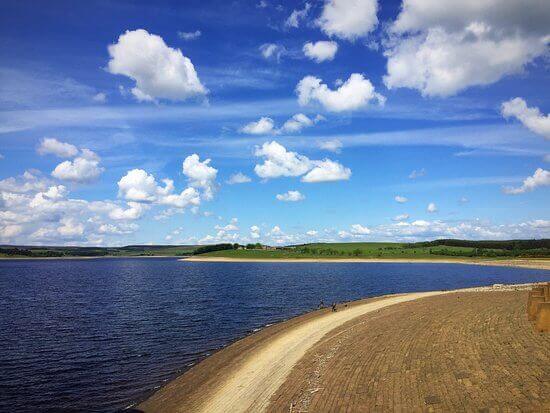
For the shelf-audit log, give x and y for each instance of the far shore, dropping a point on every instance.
(539, 264)
(92, 258)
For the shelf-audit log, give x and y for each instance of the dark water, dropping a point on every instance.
(98, 335)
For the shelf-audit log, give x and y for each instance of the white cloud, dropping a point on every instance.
(255, 232)
(431, 207)
(10, 231)
(280, 162)
(311, 233)
(417, 174)
(358, 229)
(189, 35)
(296, 16)
(401, 217)
(327, 171)
(272, 51)
(401, 199)
(134, 211)
(100, 97)
(200, 174)
(266, 126)
(231, 227)
(333, 145)
(298, 122)
(238, 178)
(356, 93)
(531, 118)
(58, 148)
(541, 177)
(291, 196)
(263, 126)
(139, 186)
(160, 72)
(441, 47)
(348, 19)
(84, 168)
(321, 51)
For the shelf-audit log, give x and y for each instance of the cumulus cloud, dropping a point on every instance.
(320, 51)
(359, 229)
(540, 178)
(189, 35)
(401, 217)
(333, 145)
(327, 171)
(431, 207)
(530, 117)
(200, 174)
(290, 196)
(84, 168)
(348, 19)
(54, 147)
(279, 162)
(441, 47)
(266, 126)
(401, 199)
(238, 178)
(293, 21)
(298, 122)
(356, 93)
(263, 126)
(255, 232)
(43, 212)
(160, 72)
(139, 186)
(272, 51)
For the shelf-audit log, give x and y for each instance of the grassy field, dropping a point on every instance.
(378, 250)
(444, 249)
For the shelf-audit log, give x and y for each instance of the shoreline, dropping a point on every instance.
(540, 264)
(245, 375)
(91, 258)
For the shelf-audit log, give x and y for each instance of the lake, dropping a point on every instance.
(98, 335)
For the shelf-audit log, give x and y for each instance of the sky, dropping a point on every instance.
(199, 122)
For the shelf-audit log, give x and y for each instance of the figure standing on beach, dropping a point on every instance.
(321, 304)
(333, 307)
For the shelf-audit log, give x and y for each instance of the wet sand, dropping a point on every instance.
(539, 264)
(463, 350)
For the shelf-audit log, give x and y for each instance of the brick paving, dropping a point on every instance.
(472, 351)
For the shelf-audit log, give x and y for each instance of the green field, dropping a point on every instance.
(443, 249)
(392, 250)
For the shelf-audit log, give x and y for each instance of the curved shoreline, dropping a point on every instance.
(245, 375)
(539, 264)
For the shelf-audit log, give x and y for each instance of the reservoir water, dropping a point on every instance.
(98, 335)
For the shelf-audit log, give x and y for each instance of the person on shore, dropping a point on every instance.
(321, 304)
(333, 307)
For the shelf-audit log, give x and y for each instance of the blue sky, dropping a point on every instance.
(337, 120)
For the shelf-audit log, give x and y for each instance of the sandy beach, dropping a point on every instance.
(445, 351)
(539, 264)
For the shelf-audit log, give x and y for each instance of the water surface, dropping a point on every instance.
(99, 335)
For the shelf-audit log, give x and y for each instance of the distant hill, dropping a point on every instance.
(430, 249)
(62, 251)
